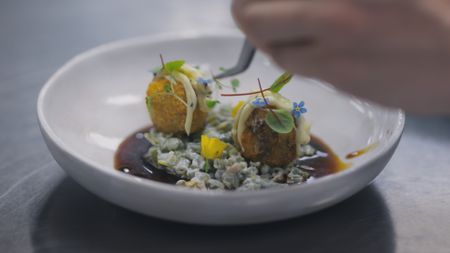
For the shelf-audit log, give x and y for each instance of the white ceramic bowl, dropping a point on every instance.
(97, 99)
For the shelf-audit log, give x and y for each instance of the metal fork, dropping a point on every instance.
(245, 58)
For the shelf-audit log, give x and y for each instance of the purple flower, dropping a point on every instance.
(299, 109)
(260, 102)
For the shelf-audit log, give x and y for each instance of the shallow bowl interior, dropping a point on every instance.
(97, 99)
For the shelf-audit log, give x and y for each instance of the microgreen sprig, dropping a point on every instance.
(212, 103)
(234, 84)
(162, 61)
(281, 81)
(242, 94)
(172, 65)
(279, 120)
(267, 104)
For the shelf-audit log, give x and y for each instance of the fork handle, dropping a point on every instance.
(245, 58)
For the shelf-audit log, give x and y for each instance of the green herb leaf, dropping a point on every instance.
(219, 86)
(147, 102)
(211, 103)
(174, 65)
(281, 82)
(167, 88)
(222, 69)
(235, 84)
(206, 166)
(282, 123)
(156, 70)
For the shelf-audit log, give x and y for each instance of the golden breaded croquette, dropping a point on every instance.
(260, 143)
(167, 112)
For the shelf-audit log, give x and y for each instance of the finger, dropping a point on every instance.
(321, 62)
(301, 59)
(269, 22)
(263, 21)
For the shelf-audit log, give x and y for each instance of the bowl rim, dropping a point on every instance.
(155, 185)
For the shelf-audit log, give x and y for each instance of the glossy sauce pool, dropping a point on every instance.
(129, 159)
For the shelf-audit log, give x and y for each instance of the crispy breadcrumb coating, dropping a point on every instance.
(167, 112)
(260, 143)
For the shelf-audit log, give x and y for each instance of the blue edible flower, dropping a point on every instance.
(260, 102)
(204, 81)
(299, 109)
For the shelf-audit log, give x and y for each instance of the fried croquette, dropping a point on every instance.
(168, 108)
(260, 143)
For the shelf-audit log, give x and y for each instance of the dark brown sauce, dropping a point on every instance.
(361, 151)
(129, 159)
(324, 162)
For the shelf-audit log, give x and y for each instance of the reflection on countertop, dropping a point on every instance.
(71, 214)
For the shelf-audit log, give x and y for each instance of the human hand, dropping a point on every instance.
(394, 52)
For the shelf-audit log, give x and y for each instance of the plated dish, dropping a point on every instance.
(95, 101)
(197, 142)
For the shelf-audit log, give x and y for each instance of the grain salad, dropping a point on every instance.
(181, 156)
